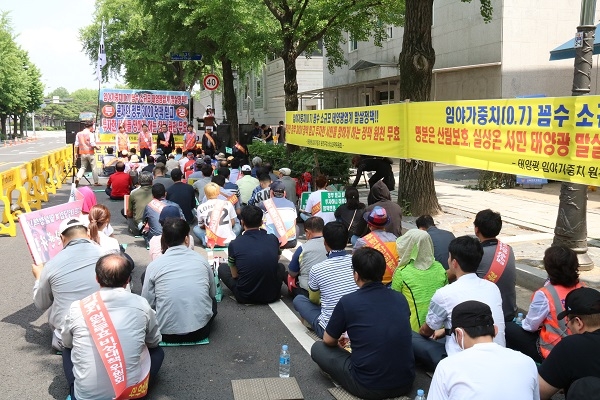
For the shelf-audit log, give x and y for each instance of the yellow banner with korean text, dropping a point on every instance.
(362, 130)
(553, 137)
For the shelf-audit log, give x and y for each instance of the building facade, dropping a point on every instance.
(508, 57)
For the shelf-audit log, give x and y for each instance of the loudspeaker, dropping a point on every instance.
(71, 128)
(224, 136)
(245, 131)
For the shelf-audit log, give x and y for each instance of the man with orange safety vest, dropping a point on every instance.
(379, 239)
(111, 338)
(189, 140)
(498, 262)
(85, 143)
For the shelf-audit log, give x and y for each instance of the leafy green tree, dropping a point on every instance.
(416, 187)
(61, 92)
(13, 78)
(302, 24)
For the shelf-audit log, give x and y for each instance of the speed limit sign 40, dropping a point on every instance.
(211, 82)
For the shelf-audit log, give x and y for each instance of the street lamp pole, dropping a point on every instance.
(571, 223)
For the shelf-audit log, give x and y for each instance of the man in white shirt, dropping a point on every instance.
(430, 344)
(246, 183)
(135, 327)
(482, 369)
(313, 204)
(216, 218)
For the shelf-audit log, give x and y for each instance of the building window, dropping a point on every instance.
(352, 44)
(386, 97)
(258, 88)
(390, 32)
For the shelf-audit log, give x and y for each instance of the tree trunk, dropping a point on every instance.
(15, 126)
(229, 99)
(290, 85)
(416, 188)
(22, 124)
(3, 123)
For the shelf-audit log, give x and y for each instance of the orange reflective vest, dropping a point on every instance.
(389, 251)
(85, 142)
(553, 330)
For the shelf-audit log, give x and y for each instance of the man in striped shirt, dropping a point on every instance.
(328, 280)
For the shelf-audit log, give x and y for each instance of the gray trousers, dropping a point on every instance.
(88, 160)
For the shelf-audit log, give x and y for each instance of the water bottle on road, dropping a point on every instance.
(420, 395)
(284, 362)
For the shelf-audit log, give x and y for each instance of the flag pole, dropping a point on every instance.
(101, 63)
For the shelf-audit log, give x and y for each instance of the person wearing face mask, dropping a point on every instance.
(430, 344)
(466, 375)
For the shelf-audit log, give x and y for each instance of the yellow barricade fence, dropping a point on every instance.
(33, 181)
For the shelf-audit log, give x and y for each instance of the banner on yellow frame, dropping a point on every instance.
(555, 138)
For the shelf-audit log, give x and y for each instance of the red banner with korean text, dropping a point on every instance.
(555, 137)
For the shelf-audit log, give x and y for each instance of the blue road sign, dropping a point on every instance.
(186, 56)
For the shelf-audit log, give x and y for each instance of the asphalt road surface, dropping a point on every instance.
(13, 156)
(244, 343)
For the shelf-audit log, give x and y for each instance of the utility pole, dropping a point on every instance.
(571, 223)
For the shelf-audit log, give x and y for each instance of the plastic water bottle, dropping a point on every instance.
(284, 362)
(519, 319)
(420, 395)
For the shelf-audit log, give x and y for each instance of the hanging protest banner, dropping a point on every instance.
(134, 107)
(553, 138)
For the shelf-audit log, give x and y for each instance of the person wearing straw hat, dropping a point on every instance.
(482, 369)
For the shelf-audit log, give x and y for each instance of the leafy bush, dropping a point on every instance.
(331, 163)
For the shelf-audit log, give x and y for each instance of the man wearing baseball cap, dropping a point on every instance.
(69, 276)
(246, 183)
(280, 216)
(575, 356)
(380, 240)
(482, 369)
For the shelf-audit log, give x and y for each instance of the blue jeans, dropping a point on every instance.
(310, 312)
(430, 352)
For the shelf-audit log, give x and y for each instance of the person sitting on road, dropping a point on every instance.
(306, 255)
(182, 194)
(198, 186)
(498, 262)
(67, 277)
(230, 196)
(575, 356)
(351, 215)
(280, 216)
(89, 201)
(253, 272)
(138, 200)
(313, 204)
(216, 219)
(256, 164)
(180, 286)
(381, 364)
(155, 243)
(133, 326)
(328, 280)
(379, 239)
(262, 191)
(380, 196)
(108, 162)
(290, 185)
(187, 163)
(159, 174)
(418, 275)
(466, 375)
(246, 183)
(440, 238)
(228, 185)
(197, 174)
(119, 184)
(430, 344)
(541, 330)
(99, 218)
(152, 212)
(150, 165)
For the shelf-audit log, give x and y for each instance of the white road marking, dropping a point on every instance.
(289, 319)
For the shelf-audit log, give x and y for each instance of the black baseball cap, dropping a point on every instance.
(581, 301)
(470, 314)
